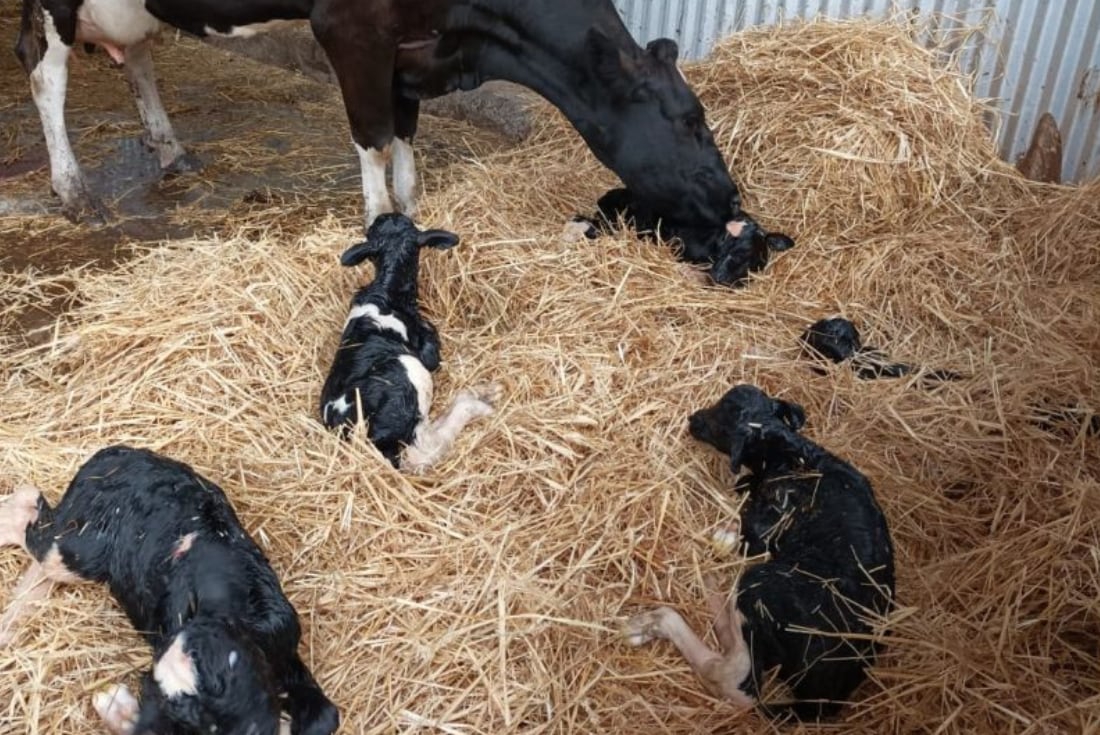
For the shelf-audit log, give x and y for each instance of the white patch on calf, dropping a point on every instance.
(382, 321)
(372, 164)
(175, 672)
(422, 380)
(184, 545)
(735, 227)
(340, 406)
(404, 177)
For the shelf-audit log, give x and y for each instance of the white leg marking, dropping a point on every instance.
(433, 441)
(383, 321)
(340, 406)
(117, 708)
(48, 87)
(174, 671)
(722, 675)
(16, 513)
(143, 83)
(34, 585)
(404, 177)
(373, 166)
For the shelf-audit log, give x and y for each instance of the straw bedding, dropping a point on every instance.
(485, 597)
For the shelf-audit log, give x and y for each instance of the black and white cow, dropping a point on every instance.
(382, 371)
(171, 550)
(810, 608)
(631, 105)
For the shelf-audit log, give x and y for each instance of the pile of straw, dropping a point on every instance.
(486, 597)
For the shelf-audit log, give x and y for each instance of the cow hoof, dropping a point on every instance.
(86, 209)
(694, 275)
(188, 163)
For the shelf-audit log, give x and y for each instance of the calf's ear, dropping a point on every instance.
(664, 50)
(738, 440)
(778, 242)
(356, 254)
(792, 413)
(440, 239)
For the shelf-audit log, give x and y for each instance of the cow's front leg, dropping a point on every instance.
(363, 59)
(406, 112)
(49, 75)
(158, 129)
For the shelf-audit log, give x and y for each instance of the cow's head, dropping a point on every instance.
(651, 130)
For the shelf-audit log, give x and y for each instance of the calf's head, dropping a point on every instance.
(209, 679)
(650, 129)
(741, 248)
(745, 423)
(393, 246)
(835, 339)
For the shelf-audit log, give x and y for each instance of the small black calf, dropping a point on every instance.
(731, 252)
(809, 609)
(838, 340)
(388, 351)
(173, 553)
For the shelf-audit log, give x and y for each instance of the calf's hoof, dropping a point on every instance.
(117, 708)
(642, 629)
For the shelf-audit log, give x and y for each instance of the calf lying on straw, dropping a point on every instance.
(170, 548)
(731, 253)
(809, 608)
(383, 367)
(838, 340)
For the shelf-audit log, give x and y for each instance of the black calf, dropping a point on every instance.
(808, 609)
(388, 351)
(838, 340)
(733, 252)
(173, 553)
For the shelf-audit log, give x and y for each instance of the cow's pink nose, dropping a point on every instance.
(734, 227)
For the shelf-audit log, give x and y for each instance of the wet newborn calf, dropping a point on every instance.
(731, 253)
(170, 548)
(388, 352)
(838, 340)
(809, 608)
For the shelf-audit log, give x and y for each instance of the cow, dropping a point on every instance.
(632, 106)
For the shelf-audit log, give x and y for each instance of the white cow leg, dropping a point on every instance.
(373, 165)
(158, 128)
(49, 80)
(404, 177)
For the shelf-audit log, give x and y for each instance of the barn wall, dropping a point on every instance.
(1031, 56)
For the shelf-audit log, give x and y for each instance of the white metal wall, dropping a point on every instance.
(1031, 56)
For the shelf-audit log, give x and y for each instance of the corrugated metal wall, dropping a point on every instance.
(1032, 56)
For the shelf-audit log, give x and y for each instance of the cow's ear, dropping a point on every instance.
(611, 65)
(664, 50)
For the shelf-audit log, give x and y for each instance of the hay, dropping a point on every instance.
(485, 598)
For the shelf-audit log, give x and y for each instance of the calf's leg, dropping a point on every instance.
(432, 442)
(721, 674)
(18, 515)
(118, 709)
